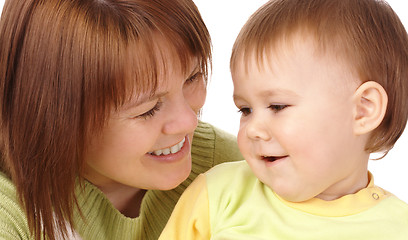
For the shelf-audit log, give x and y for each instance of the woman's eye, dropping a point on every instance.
(194, 77)
(277, 107)
(245, 111)
(151, 112)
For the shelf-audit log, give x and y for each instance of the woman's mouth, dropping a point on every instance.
(170, 150)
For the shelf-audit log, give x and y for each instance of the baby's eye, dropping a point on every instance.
(151, 112)
(277, 107)
(245, 111)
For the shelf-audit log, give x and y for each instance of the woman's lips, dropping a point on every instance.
(170, 150)
(173, 157)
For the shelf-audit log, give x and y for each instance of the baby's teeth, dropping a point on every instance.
(158, 152)
(166, 151)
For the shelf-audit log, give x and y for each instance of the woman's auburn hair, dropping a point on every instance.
(64, 65)
(366, 34)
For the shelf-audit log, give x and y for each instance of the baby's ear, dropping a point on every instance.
(370, 104)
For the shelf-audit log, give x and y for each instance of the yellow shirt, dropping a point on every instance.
(229, 202)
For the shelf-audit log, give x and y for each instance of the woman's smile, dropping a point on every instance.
(180, 155)
(166, 151)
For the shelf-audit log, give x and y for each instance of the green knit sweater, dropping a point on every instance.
(102, 221)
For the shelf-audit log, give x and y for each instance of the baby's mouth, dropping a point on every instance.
(272, 158)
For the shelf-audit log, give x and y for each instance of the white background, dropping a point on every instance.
(224, 18)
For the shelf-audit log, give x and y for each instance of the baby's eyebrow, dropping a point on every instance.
(268, 93)
(277, 92)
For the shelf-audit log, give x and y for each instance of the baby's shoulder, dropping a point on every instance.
(230, 170)
(233, 178)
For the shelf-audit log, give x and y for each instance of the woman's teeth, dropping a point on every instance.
(169, 150)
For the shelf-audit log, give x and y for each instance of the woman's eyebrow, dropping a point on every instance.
(145, 98)
(194, 71)
(148, 97)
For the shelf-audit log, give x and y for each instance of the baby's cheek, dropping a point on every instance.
(243, 143)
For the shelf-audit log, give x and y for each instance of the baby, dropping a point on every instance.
(321, 84)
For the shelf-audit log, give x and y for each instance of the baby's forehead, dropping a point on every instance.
(299, 62)
(298, 46)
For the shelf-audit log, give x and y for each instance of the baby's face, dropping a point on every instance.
(296, 129)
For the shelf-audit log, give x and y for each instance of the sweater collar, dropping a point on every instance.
(344, 206)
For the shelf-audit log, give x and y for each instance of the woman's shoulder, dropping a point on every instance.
(206, 131)
(6, 185)
(214, 144)
(13, 223)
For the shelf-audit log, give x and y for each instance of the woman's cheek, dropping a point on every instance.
(196, 95)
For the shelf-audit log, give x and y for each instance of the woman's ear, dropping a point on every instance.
(370, 104)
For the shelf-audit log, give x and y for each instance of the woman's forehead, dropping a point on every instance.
(169, 70)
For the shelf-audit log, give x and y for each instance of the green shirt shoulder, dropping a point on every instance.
(13, 223)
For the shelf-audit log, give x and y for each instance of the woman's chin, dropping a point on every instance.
(171, 183)
(174, 177)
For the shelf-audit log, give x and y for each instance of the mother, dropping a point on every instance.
(99, 104)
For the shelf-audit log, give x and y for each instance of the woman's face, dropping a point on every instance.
(147, 143)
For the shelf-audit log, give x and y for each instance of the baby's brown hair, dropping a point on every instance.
(366, 34)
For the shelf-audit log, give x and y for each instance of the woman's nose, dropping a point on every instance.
(181, 119)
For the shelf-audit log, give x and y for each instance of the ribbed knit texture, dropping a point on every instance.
(102, 221)
(13, 223)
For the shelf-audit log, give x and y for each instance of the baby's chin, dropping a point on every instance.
(294, 195)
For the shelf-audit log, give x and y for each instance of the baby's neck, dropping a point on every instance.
(345, 187)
